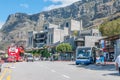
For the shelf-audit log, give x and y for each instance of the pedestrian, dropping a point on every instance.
(117, 64)
(105, 57)
(72, 58)
(102, 59)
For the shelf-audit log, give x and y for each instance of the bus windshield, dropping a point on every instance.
(83, 53)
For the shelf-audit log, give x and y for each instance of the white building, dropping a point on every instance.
(30, 39)
(73, 25)
(48, 26)
(54, 33)
(90, 32)
(88, 38)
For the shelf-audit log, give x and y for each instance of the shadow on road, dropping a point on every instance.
(109, 67)
(112, 74)
(71, 64)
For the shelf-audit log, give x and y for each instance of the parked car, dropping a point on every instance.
(29, 58)
(36, 58)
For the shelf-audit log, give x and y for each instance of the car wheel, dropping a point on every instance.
(77, 63)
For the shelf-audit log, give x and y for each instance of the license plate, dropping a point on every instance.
(82, 62)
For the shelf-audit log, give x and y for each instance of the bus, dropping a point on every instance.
(14, 53)
(85, 55)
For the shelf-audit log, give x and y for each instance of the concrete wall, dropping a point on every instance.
(59, 35)
(75, 25)
(30, 39)
(49, 25)
(53, 26)
(90, 40)
(90, 32)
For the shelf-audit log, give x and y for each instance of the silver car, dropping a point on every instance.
(30, 58)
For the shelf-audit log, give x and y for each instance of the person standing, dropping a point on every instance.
(72, 58)
(117, 64)
(102, 59)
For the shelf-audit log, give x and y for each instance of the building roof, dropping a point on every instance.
(111, 38)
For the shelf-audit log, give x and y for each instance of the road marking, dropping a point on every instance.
(66, 76)
(8, 77)
(12, 67)
(4, 72)
(10, 70)
(53, 70)
(73, 68)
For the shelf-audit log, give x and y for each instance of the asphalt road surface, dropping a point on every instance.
(46, 70)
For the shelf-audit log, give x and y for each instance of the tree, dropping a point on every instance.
(75, 33)
(110, 28)
(64, 47)
(45, 53)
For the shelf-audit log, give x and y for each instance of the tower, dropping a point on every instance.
(40, 23)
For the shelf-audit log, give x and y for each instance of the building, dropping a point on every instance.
(30, 39)
(88, 38)
(90, 32)
(72, 25)
(40, 39)
(111, 45)
(56, 35)
(53, 34)
(48, 26)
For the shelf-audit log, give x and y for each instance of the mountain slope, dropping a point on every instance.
(17, 25)
(88, 10)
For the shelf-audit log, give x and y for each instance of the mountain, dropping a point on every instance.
(92, 12)
(87, 10)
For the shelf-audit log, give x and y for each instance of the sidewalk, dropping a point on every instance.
(106, 63)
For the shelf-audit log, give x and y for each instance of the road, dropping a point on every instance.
(45, 70)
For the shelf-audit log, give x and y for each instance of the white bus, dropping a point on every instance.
(85, 55)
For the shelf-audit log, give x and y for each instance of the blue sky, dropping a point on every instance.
(8, 7)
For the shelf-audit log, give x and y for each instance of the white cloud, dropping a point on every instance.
(24, 5)
(63, 3)
(1, 24)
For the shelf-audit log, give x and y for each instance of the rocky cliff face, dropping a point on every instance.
(88, 10)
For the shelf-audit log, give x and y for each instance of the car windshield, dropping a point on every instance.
(83, 52)
(29, 56)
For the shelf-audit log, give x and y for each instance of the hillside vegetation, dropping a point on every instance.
(110, 28)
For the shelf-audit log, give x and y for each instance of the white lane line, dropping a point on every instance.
(73, 68)
(66, 76)
(53, 70)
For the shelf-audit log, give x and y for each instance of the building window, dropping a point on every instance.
(46, 27)
(67, 24)
(95, 34)
(51, 38)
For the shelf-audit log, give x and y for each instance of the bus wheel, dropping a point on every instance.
(77, 63)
